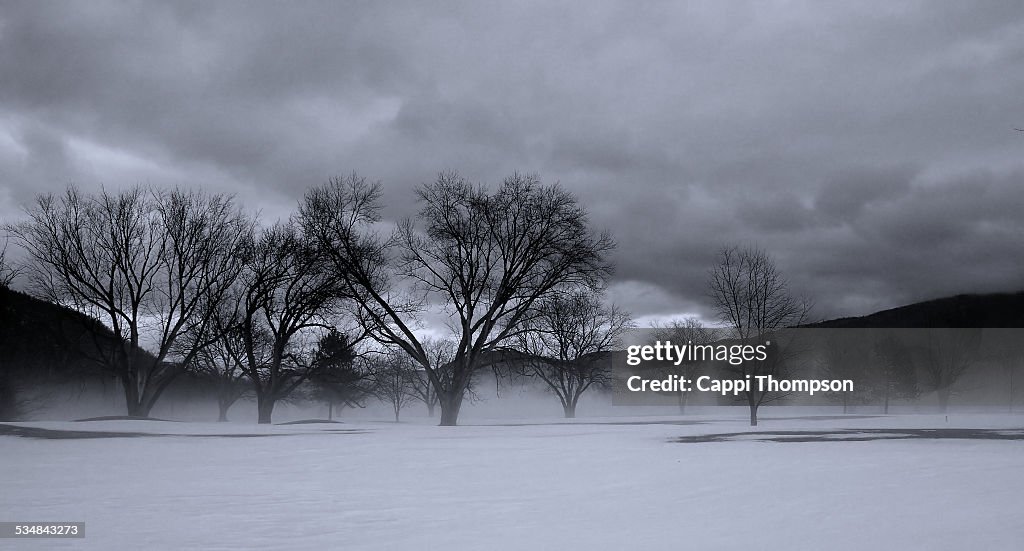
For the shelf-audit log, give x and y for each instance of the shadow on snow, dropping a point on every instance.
(856, 435)
(53, 434)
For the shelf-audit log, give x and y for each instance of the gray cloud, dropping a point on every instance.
(867, 146)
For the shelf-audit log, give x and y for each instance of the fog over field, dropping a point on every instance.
(511, 275)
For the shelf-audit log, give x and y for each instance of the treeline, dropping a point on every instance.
(185, 281)
(333, 305)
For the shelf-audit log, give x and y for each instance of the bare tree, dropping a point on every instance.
(440, 353)
(487, 257)
(894, 370)
(8, 272)
(567, 341)
(1006, 348)
(286, 298)
(686, 331)
(217, 362)
(847, 354)
(754, 300)
(394, 377)
(151, 265)
(945, 355)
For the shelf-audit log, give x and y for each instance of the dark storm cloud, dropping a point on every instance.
(844, 196)
(867, 146)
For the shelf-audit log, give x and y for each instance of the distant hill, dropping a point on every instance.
(997, 310)
(42, 342)
(39, 338)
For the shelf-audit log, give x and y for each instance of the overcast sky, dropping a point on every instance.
(868, 146)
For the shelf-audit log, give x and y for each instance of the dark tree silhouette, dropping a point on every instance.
(341, 378)
(1006, 348)
(754, 300)
(440, 353)
(944, 355)
(151, 265)
(847, 354)
(394, 376)
(685, 331)
(895, 372)
(567, 339)
(285, 299)
(218, 363)
(8, 272)
(487, 256)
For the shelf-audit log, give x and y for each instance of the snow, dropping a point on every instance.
(601, 483)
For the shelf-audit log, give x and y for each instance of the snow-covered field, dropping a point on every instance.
(606, 483)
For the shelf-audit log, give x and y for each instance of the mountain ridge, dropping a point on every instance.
(990, 310)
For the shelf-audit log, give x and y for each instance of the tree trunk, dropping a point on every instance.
(569, 410)
(265, 407)
(330, 411)
(430, 409)
(885, 409)
(397, 411)
(224, 406)
(450, 404)
(753, 411)
(138, 410)
(135, 405)
(682, 402)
